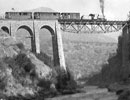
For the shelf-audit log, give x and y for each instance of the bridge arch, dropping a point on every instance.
(26, 28)
(5, 29)
(27, 39)
(48, 28)
(54, 44)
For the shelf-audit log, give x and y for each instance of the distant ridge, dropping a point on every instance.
(41, 9)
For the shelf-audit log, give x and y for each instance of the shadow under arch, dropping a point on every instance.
(33, 48)
(48, 28)
(54, 44)
(5, 29)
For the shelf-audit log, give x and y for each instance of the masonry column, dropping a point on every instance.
(36, 37)
(60, 46)
(13, 29)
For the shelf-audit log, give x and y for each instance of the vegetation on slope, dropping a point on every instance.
(87, 57)
(86, 54)
(25, 76)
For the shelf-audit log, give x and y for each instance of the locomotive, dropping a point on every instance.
(41, 15)
(93, 17)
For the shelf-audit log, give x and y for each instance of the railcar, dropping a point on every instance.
(41, 15)
(46, 15)
(18, 15)
(70, 16)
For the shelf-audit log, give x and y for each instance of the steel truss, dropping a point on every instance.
(90, 26)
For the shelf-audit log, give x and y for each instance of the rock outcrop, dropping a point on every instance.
(21, 71)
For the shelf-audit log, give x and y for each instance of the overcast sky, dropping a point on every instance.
(114, 9)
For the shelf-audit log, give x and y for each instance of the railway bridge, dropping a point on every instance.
(33, 27)
(54, 26)
(91, 26)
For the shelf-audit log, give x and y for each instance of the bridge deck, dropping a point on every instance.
(88, 21)
(79, 25)
(77, 21)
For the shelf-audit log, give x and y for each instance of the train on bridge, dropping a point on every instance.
(49, 16)
(71, 22)
(41, 15)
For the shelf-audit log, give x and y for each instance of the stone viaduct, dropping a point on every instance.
(34, 27)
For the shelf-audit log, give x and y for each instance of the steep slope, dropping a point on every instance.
(21, 72)
(85, 54)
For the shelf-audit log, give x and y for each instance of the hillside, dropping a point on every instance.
(21, 72)
(85, 54)
(81, 37)
(41, 9)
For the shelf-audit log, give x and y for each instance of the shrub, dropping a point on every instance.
(3, 74)
(20, 46)
(65, 81)
(21, 67)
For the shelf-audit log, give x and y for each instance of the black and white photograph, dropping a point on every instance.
(64, 50)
